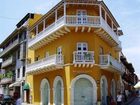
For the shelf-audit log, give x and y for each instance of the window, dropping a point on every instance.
(101, 51)
(82, 46)
(18, 54)
(36, 58)
(59, 50)
(18, 73)
(82, 16)
(23, 72)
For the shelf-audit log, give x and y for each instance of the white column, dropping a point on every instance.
(43, 24)
(105, 17)
(100, 12)
(112, 26)
(55, 16)
(64, 12)
(36, 29)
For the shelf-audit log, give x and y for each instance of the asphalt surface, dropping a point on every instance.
(135, 102)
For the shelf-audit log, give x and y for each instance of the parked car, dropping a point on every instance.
(7, 100)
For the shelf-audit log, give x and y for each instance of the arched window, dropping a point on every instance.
(58, 91)
(45, 92)
(104, 90)
(83, 90)
(113, 89)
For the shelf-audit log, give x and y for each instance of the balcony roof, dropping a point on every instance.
(62, 1)
(109, 12)
(49, 12)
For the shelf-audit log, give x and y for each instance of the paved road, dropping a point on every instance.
(136, 101)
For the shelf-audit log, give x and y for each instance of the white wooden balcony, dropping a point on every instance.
(52, 62)
(109, 63)
(83, 59)
(62, 26)
(10, 47)
(8, 62)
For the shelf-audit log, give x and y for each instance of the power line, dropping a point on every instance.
(8, 18)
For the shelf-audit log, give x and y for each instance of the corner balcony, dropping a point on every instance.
(10, 47)
(63, 25)
(8, 62)
(109, 63)
(52, 62)
(83, 59)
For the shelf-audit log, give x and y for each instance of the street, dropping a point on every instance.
(136, 101)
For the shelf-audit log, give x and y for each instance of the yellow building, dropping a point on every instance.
(73, 55)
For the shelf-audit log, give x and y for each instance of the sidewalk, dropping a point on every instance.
(130, 100)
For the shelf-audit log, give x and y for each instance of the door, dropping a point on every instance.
(82, 48)
(104, 92)
(59, 55)
(83, 92)
(81, 16)
(45, 95)
(58, 94)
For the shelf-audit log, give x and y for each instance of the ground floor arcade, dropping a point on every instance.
(72, 86)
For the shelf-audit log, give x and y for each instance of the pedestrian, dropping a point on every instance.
(119, 98)
(112, 101)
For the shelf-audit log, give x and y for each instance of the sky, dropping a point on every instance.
(126, 12)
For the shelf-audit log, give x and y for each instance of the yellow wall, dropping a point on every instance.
(35, 19)
(68, 43)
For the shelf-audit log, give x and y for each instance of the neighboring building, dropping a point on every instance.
(13, 55)
(129, 77)
(1, 74)
(73, 55)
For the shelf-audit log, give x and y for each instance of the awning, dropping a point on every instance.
(17, 83)
(26, 86)
(137, 86)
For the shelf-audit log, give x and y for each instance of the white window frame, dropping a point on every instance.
(82, 46)
(59, 50)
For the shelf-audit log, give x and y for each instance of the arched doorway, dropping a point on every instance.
(113, 89)
(104, 90)
(58, 91)
(84, 90)
(45, 92)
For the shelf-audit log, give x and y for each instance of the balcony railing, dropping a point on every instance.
(83, 57)
(6, 80)
(110, 63)
(8, 62)
(51, 62)
(73, 20)
(11, 46)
